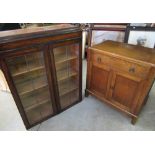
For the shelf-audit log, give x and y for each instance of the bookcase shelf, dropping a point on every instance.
(28, 71)
(67, 87)
(65, 74)
(64, 58)
(32, 90)
(36, 105)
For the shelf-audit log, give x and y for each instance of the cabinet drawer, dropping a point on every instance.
(121, 65)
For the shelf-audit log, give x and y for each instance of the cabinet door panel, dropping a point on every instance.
(30, 79)
(100, 77)
(66, 58)
(124, 90)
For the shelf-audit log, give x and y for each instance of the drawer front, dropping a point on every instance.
(121, 65)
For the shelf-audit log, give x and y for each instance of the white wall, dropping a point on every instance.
(3, 83)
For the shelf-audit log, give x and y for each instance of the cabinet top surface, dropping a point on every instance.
(126, 50)
(13, 35)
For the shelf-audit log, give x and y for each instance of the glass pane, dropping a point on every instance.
(29, 76)
(67, 69)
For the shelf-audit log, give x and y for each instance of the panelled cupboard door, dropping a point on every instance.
(29, 77)
(100, 79)
(125, 90)
(66, 58)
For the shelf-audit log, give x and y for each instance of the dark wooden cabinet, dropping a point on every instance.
(121, 75)
(43, 70)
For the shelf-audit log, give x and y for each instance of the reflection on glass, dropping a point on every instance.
(67, 69)
(29, 76)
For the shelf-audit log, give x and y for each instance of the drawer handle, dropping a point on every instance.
(99, 59)
(131, 70)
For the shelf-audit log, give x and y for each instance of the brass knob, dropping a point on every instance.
(132, 69)
(99, 59)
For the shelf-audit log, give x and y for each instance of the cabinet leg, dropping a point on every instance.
(86, 93)
(134, 120)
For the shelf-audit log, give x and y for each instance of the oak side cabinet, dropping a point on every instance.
(121, 75)
(43, 68)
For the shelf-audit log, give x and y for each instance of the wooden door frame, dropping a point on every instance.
(49, 78)
(125, 75)
(89, 73)
(106, 68)
(7, 74)
(14, 92)
(52, 62)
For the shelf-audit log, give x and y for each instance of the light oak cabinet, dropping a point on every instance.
(100, 78)
(121, 75)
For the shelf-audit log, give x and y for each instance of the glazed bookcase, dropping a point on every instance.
(43, 71)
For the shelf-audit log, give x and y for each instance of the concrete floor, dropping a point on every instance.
(90, 114)
(10, 119)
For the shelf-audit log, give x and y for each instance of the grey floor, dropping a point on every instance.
(10, 119)
(90, 114)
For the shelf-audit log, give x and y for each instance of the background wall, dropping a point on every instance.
(3, 83)
(101, 36)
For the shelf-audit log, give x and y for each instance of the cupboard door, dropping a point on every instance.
(100, 79)
(66, 58)
(125, 90)
(29, 77)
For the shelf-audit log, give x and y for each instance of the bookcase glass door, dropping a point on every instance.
(29, 77)
(67, 72)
